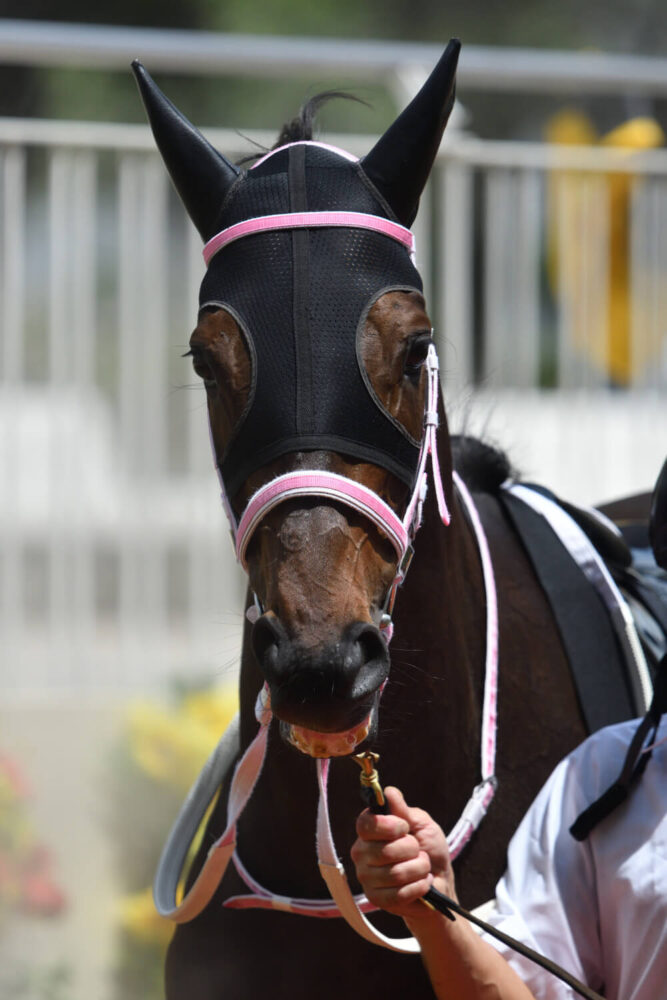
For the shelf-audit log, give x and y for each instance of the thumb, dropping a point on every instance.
(397, 803)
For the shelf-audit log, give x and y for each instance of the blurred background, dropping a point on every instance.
(542, 238)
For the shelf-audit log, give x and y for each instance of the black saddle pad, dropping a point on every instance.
(607, 693)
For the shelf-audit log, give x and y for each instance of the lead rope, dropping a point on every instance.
(343, 902)
(246, 774)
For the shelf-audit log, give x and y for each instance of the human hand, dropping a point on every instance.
(398, 857)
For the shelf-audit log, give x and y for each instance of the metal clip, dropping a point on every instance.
(369, 776)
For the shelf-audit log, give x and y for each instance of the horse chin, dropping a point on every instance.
(314, 743)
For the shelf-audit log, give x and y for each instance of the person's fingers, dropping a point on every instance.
(418, 819)
(395, 899)
(371, 826)
(397, 803)
(400, 874)
(381, 854)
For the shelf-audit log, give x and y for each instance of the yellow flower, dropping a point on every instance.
(213, 709)
(138, 916)
(172, 745)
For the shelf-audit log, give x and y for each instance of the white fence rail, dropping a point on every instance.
(115, 571)
(489, 68)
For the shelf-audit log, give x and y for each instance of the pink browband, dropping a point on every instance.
(309, 220)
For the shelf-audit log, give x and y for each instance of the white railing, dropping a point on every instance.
(553, 264)
(115, 569)
(481, 68)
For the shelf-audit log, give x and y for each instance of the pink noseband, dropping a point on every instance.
(320, 484)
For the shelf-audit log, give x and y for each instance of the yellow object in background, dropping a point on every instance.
(139, 918)
(171, 745)
(589, 247)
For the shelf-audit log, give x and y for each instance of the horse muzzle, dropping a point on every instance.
(324, 697)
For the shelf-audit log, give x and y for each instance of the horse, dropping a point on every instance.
(315, 349)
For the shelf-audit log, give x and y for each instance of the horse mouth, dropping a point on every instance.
(313, 743)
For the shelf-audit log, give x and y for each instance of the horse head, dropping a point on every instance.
(312, 342)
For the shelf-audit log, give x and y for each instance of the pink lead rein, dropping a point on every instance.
(342, 903)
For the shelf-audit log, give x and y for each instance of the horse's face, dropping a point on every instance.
(311, 344)
(320, 570)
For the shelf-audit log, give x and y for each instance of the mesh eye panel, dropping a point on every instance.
(301, 295)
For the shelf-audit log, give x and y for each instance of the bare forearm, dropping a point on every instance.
(462, 966)
(398, 857)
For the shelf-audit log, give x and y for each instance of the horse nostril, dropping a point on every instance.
(366, 663)
(372, 644)
(365, 644)
(267, 634)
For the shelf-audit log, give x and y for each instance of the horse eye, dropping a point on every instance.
(415, 355)
(201, 367)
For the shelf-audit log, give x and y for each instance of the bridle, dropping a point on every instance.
(309, 483)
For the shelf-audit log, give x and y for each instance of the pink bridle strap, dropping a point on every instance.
(308, 220)
(320, 484)
(342, 902)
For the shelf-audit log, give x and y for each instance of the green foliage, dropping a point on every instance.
(630, 25)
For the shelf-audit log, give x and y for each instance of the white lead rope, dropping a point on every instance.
(343, 902)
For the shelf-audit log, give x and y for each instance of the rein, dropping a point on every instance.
(246, 774)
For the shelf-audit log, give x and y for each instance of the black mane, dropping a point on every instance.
(301, 128)
(482, 466)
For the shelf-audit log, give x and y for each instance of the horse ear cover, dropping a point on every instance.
(400, 162)
(300, 297)
(398, 165)
(201, 175)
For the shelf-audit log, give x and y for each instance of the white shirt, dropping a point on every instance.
(598, 908)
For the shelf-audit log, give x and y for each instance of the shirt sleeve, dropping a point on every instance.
(547, 898)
